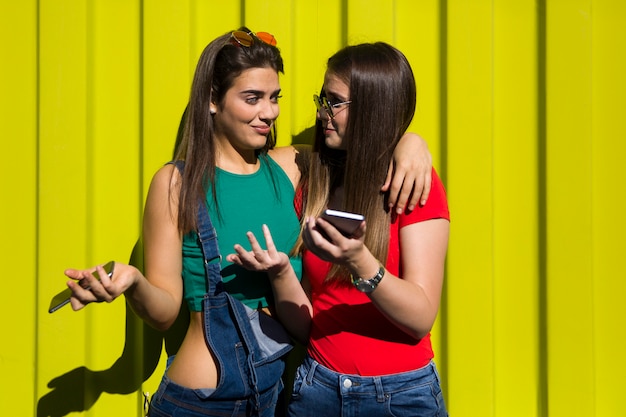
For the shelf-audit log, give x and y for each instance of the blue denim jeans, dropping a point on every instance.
(172, 400)
(318, 391)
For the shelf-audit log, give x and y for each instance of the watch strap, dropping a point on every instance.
(369, 285)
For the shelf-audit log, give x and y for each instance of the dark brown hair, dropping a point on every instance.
(221, 62)
(383, 99)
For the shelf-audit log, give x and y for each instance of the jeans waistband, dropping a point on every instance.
(348, 383)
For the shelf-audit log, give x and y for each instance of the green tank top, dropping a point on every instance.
(246, 202)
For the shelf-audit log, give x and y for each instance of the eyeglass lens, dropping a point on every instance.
(323, 106)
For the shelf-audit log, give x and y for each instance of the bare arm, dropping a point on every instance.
(293, 306)
(156, 299)
(408, 177)
(410, 302)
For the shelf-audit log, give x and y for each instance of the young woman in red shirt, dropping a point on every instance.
(367, 302)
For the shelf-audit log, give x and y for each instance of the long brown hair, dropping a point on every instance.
(221, 62)
(383, 98)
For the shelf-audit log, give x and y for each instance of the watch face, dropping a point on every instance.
(365, 286)
(369, 285)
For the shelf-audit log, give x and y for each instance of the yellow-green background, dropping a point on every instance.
(523, 105)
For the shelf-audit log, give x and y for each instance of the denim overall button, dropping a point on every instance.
(347, 383)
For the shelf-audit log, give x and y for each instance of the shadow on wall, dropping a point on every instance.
(79, 389)
(305, 137)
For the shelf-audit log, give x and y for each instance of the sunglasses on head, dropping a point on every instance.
(247, 38)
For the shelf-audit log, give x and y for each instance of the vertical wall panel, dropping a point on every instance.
(608, 154)
(515, 237)
(365, 26)
(114, 128)
(470, 191)
(114, 193)
(208, 22)
(305, 65)
(417, 34)
(531, 151)
(165, 87)
(569, 268)
(62, 210)
(18, 206)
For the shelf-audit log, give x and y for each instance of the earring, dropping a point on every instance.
(212, 111)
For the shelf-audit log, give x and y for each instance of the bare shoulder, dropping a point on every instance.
(288, 157)
(166, 177)
(164, 187)
(284, 155)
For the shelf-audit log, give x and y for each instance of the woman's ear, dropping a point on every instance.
(212, 108)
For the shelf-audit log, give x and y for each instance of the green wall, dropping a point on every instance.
(523, 104)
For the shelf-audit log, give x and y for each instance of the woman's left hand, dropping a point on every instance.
(410, 173)
(259, 259)
(329, 244)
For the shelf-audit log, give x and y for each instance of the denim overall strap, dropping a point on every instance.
(227, 325)
(235, 340)
(249, 362)
(210, 250)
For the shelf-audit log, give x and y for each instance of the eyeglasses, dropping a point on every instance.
(325, 106)
(247, 38)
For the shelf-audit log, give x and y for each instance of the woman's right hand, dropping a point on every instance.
(329, 244)
(88, 289)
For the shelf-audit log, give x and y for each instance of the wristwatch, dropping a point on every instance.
(369, 285)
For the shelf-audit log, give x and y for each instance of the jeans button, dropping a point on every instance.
(347, 383)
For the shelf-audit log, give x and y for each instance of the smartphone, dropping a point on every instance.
(346, 223)
(63, 297)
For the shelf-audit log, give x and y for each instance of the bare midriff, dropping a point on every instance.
(194, 365)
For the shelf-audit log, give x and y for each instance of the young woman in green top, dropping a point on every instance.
(231, 165)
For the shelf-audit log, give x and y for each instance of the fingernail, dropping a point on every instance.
(399, 210)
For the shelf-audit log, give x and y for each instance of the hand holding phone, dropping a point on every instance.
(347, 223)
(63, 297)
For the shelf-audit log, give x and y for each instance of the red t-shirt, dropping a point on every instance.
(348, 333)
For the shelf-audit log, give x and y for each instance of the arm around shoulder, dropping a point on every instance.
(409, 174)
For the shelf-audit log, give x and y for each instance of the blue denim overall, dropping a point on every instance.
(248, 347)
